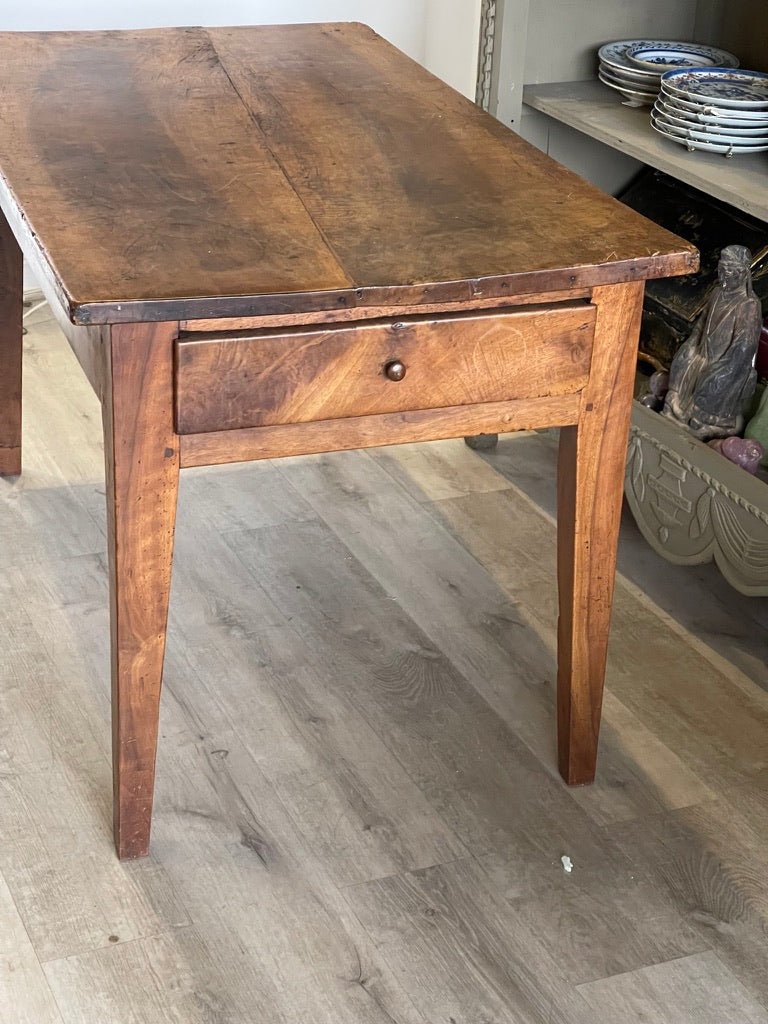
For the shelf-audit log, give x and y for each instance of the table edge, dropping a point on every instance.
(675, 264)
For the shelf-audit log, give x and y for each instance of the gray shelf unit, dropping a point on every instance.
(691, 504)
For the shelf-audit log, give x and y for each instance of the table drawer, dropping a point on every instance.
(298, 375)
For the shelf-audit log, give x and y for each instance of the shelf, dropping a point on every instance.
(594, 109)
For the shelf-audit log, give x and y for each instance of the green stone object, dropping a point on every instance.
(757, 428)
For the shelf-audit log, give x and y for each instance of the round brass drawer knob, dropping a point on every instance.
(395, 370)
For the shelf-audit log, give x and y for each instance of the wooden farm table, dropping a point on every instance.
(282, 240)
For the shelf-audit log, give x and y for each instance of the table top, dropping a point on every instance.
(192, 173)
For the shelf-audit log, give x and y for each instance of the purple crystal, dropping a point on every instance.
(743, 451)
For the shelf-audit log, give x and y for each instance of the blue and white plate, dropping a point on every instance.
(615, 55)
(633, 97)
(666, 56)
(703, 135)
(726, 149)
(685, 119)
(743, 118)
(634, 75)
(726, 87)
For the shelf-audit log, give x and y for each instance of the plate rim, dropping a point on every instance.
(668, 79)
(698, 106)
(648, 96)
(740, 130)
(626, 43)
(618, 72)
(697, 50)
(717, 139)
(629, 85)
(626, 66)
(695, 144)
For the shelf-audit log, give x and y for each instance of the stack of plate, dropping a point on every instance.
(719, 110)
(634, 66)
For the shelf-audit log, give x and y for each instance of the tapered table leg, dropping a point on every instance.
(11, 297)
(142, 468)
(590, 487)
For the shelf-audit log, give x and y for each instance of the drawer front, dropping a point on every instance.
(298, 375)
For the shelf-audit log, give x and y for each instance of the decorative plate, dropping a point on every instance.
(615, 54)
(641, 80)
(666, 56)
(634, 98)
(745, 117)
(727, 87)
(622, 83)
(685, 119)
(708, 147)
(703, 135)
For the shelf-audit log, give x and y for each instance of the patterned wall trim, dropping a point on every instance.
(485, 60)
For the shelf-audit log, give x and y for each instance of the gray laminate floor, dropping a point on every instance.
(358, 818)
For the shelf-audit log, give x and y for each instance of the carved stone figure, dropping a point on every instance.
(712, 377)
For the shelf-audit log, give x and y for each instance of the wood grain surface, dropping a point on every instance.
(299, 376)
(253, 443)
(358, 816)
(332, 316)
(696, 988)
(590, 480)
(10, 351)
(194, 173)
(142, 470)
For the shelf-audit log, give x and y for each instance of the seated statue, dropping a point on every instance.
(712, 378)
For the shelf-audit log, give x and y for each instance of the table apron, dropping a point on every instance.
(316, 374)
(252, 443)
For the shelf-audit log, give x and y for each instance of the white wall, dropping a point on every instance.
(441, 34)
(451, 42)
(400, 21)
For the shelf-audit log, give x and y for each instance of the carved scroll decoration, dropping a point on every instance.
(695, 510)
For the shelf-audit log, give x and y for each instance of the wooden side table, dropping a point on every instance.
(283, 240)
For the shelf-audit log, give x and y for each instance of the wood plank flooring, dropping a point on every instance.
(358, 817)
